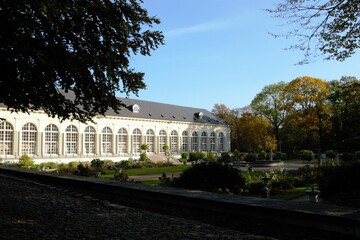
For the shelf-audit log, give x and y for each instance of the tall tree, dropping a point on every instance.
(332, 26)
(309, 109)
(254, 133)
(51, 46)
(271, 104)
(345, 104)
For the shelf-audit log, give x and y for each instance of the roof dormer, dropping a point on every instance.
(135, 108)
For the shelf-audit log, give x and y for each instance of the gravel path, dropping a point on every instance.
(29, 211)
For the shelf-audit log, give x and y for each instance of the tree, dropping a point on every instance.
(332, 26)
(254, 133)
(51, 47)
(309, 111)
(271, 104)
(345, 105)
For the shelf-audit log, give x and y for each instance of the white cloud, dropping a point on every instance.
(215, 25)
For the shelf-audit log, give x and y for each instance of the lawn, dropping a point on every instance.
(147, 171)
(292, 194)
(155, 170)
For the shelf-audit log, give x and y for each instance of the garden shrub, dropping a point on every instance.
(143, 157)
(357, 156)
(279, 156)
(340, 185)
(211, 176)
(97, 164)
(308, 175)
(347, 157)
(49, 165)
(83, 170)
(123, 164)
(254, 188)
(202, 155)
(330, 154)
(184, 155)
(262, 155)
(250, 157)
(306, 155)
(193, 157)
(225, 158)
(211, 156)
(25, 161)
(73, 165)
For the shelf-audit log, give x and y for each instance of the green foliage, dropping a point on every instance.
(26, 162)
(330, 154)
(211, 176)
(279, 155)
(185, 155)
(262, 155)
(306, 155)
(345, 119)
(340, 185)
(143, 157)
(97, 163)
(211, 156)
(236, 154)
(144, 147)
(165, 148)
(125, 164)
(270, 103)
(193, 157)
(84, 170)
(330, 27)
(250, 157)
(49, 165)
(73, 165)
(85, 46)
(225, 158)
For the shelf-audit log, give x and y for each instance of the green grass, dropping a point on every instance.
(155, 170)
(291, 194)
(147, 171)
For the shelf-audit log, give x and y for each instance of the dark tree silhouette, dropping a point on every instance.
(332, 26)
(50, 47)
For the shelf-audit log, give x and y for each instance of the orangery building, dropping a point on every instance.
(115, 136)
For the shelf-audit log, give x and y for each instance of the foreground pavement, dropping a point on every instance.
(29, 211)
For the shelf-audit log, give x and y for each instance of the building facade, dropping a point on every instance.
(115, 136)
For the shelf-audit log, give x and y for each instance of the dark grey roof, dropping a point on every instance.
(159, 111)
(162, 111)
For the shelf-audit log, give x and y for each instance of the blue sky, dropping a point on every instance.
(220, 51)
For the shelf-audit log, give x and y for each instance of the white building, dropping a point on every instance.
(116, 136)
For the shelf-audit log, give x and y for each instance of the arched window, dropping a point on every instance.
(28, 139)
(212, 142)
(90, 134)
(194, 142)
(150, 135)
(71, 139)
(203, 141)
(106, 140)
(221, 142)
(122, 141)
(162, 140)
(174, 141)
(6, 138)
(136, 141)
(185, 141)
(51, 139)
